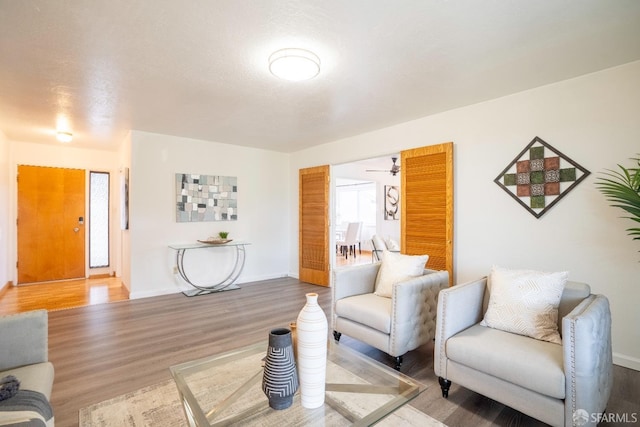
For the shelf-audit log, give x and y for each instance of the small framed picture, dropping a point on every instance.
(391, 202)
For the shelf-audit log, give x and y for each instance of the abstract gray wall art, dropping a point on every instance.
(206, 198)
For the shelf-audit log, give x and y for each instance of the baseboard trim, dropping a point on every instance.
(177, 289)
(153, 293)
(626, 361)
(4, 287)
(100, 276)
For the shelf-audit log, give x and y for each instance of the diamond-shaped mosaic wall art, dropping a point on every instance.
(206, 198)
(540, 176)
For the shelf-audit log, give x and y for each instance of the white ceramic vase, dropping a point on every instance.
(311, 340)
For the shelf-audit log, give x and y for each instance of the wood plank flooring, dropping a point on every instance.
(102, 351)
(360, 258)
(61, 295)
(79, 293)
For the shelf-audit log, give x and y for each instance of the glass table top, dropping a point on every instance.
(226, 389)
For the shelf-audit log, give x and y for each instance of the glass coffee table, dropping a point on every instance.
(226, 389)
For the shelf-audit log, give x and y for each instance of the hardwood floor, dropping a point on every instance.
(60, 295)
(79, 293)
(360, 258)
(102, 351)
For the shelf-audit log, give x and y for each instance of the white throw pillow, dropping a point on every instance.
(397, 268)
(525, 302)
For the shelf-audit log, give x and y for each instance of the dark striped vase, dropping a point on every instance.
(280, 379)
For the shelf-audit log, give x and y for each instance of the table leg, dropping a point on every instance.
(225, 284)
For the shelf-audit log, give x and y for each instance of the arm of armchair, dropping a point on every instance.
(413, 310)
(24, 339)
(354, 280)
(588, 365)
(459, 307)
(350, 281)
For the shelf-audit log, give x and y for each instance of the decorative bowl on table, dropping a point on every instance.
(215, 241)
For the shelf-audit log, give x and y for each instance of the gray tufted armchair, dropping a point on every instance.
(394, 325)
(555, 383)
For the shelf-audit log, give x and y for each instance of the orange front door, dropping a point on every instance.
(51, 220)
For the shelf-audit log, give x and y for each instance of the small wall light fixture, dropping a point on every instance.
(64, 136)
(294, 64)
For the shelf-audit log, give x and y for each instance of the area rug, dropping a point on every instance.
(159, 406)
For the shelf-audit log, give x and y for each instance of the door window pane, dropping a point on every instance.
(99, 219)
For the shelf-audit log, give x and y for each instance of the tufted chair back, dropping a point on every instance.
(413, 331)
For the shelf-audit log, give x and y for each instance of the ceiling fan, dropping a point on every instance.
(395, 169)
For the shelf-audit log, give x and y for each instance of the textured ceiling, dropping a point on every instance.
(199, 69)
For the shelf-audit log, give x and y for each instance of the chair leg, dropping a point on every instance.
(444, 385)
(337, 335)
(398, 363)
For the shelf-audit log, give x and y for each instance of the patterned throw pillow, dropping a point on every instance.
(396, 268)
(525, 302)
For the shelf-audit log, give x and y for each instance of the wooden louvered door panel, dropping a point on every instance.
(51, 234)
(313, 214)
(427, 205)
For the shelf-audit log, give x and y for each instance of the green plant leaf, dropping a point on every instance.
(622, 189)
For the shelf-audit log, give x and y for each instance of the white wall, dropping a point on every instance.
(62, 156)
(263, 202)
(4, 213)
(592, 119)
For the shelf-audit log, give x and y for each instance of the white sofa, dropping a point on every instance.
(550, 382)
(394, 325)
(24, 354)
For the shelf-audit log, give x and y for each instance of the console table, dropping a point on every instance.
(227, 283)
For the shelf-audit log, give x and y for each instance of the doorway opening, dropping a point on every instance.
(359, 196)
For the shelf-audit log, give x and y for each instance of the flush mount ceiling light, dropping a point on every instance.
(64, 136)
(294, 64)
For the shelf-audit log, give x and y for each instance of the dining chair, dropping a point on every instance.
(347, 246)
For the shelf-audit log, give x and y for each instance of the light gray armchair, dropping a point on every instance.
(550, 382)
(394, 325)
(24, 355)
